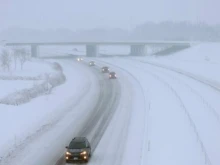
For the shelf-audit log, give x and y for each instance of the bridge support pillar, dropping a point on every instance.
(34, 50)
(92, 50)
(138, 50)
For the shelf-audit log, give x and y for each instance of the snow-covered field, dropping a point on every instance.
(168, 112)
(49, 77)
(16, 80)
(8, 86)
(202, 60)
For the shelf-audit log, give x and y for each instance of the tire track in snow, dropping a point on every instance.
(102, 114)
(194, 77)
(120, 132)
(205, 102)
(116, 133)
(109, 98)
(146, 143)
(183, 107)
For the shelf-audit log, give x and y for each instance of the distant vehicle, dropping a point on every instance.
(79, 59)
(112, 75)
(91, 63)
(79, 150)
(105, 69)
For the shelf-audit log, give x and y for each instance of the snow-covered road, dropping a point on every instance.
(52, 117)
(93, 126)
(155, 113)
(182, 118)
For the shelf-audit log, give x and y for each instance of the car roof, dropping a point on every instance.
(79, 139)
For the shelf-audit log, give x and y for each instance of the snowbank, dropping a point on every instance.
(50, 81)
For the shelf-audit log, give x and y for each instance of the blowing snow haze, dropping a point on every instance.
(28, 20)
(109, 82)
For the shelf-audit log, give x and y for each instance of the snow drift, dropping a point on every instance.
(50, 81)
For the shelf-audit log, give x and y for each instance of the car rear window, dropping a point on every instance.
(77, 145)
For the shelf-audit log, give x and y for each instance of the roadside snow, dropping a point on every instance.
(29, 120)
(32, 68)
(7, 86)
(49, 81)
(202, 60)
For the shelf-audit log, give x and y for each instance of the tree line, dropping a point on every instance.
(10, 59)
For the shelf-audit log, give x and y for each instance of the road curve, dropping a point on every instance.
(96, 122)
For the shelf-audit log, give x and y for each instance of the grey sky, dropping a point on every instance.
(75, 14)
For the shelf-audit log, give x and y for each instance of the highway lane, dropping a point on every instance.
(97, 120)
(89, 114)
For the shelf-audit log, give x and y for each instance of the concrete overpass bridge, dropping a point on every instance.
(137, 48)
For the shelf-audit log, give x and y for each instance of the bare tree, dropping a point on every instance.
(5, 60)
(23, 56)
(16, 53)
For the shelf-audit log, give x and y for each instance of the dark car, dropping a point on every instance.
(91, 63)
(105, 69)
(112, 75)
(78, 150)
